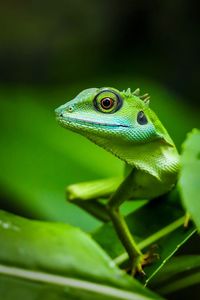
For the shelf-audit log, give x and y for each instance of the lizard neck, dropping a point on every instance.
(156, 158)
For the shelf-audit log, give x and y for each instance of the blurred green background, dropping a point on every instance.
(49, 52)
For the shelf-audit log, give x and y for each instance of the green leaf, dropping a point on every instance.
(158, 222)
(190, 175)
(168, 246)
(179, 273)
(57, 261)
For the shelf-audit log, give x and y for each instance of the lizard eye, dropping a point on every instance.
(107, 101)
(141, 118)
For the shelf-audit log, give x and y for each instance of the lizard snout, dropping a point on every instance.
(59, 112)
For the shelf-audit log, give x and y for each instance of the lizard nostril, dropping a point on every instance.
(70, 108)
(61, 115)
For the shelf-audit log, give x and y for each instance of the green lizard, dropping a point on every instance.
(123, 124)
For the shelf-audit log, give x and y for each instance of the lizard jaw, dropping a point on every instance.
(78, 122)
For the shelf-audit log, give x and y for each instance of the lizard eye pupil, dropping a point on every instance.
(141, 118)
(107, 103)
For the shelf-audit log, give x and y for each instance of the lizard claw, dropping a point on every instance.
(144, 260)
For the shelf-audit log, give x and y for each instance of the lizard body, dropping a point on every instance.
(123, 124)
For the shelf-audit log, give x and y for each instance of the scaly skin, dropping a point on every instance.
(123, 124)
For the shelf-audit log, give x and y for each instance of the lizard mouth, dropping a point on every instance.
(80, 122)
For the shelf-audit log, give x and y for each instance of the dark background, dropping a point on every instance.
(60, 42)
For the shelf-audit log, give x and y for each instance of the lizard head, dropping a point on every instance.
(123, 124)
(108, 114)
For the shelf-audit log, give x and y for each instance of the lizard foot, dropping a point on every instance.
(144, 260)
(151, 255)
